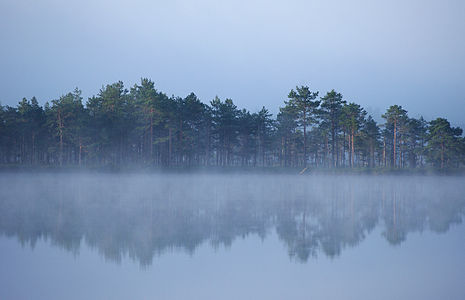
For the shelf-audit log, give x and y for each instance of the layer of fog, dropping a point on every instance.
(144, 215)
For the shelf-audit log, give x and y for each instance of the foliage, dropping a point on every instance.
(144, 127)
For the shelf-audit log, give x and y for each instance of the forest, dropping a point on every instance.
(143, 127)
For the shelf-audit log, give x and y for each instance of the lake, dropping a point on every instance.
(231, 236)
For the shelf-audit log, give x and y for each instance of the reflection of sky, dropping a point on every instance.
(376, 53)
(428, 266)
(242, 236)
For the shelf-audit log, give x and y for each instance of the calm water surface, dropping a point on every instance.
(199, 236)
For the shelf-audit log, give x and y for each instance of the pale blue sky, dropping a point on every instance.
(376, 53)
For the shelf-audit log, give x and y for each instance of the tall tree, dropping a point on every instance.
(247, 137)
(112, 122)
(331, 109)
(190, 114)
(303, 101)
(396, 118)
(415, 140)
(264, 125)
(66, 122)
(371, 134)
(444, 143)
(286, 131)
(225, 122)
(147, 102)
(31, 120)
(353, 117)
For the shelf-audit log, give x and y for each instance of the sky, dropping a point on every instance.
(375, 53)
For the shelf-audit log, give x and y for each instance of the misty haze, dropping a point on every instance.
(231, 236)
(233, 149)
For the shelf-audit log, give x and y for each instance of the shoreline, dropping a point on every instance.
(429, 171)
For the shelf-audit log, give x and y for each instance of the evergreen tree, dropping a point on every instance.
(415, 140)
(143, 126)
(352, 118)
(331, 110)
(396, 119)
(286, 131)
(66, 120)
(302, 100)
(445, 145)
(370, 135)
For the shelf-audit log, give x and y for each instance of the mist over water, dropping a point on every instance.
(147, 219)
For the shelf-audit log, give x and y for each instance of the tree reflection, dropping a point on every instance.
(145, 216)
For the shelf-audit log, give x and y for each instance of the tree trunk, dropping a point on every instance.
(207, 158)
(384, 152)
(181, 150)
(151, 135)
(442, 155)
(326, 150)
(60, 129)
(33, 148)
(170, 148)
(80, 151)
(352, 148)
(344, 163)
(395, 144)
(333, 154)
(305, 139)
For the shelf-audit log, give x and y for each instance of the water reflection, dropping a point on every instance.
(144, 216)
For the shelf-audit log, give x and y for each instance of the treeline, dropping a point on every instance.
(144, 127)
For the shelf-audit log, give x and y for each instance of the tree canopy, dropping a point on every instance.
(142, 126)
